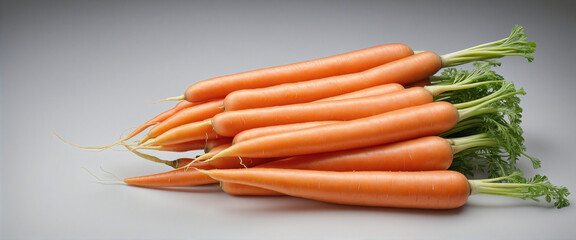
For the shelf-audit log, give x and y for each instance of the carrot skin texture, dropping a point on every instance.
(231, 162)
(183, 147)
(404, 71)
(196, 113)
(424, 190)
(246, 190)
(350, 62)
(264, 131)
(234, 122)
(186, 133)
(403, 124)
(180, 177)
(419, 154)
(367, 92)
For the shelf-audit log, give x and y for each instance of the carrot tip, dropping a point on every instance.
(143, 140)
(147, 143)
(116, 179)
(178, 98)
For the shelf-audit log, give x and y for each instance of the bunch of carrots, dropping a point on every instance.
(383, 126)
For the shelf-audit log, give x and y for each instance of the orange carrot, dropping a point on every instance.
(186, 173)
(419, 154)
(188, 132)
(234, 122)
(398, 125)
(407, 123)
(263, 131)
(441, 189)
(180, 177)
(159, 118)
(350, 62)
(427, 189)
(197, 113)
(404, 71)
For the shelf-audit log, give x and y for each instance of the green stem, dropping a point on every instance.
(522, 188)
(481, 75)
(515, 44)
(484, 104)
(462, 126)
(439, 89)
(474, 141)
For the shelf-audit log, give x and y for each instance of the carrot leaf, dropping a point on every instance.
(514, 185)
(516, 44)
(461, 79)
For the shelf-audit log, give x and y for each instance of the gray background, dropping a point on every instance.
(89, 69)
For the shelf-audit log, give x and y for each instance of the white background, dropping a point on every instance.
(89, 69)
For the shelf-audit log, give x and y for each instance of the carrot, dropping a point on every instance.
(403, 71)
(181, 177)
(160, 117)
(350, 62)
(199, 112)
(186, 173)
(463, 154)
(402, 124)
(230, 123)
(425, 190)
(263, 131)
(181, 117)
(419, 154)
(188, 132)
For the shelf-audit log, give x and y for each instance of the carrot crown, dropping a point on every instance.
(514, 45)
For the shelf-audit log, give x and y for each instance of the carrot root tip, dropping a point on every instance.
(178, 98)
(116, 179)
